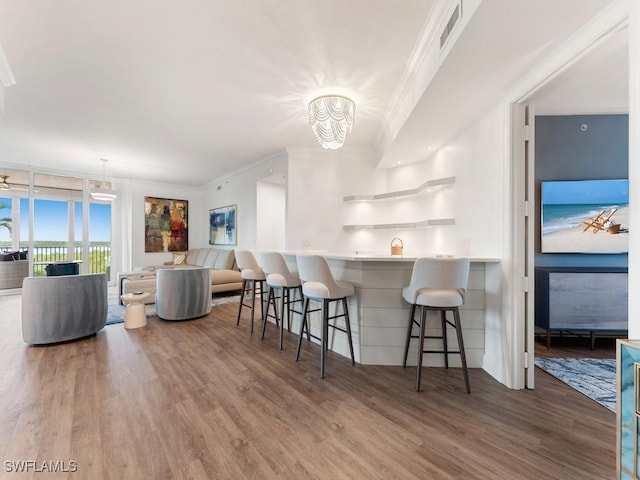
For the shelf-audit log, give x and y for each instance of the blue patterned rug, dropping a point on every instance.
(593, 377)
(115, 311)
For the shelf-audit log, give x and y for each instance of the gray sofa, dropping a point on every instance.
(225, 276)
(57, 309)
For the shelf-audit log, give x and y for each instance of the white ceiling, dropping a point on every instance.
(597, 83)
(185, 92)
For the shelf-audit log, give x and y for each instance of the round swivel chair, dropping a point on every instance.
(319, 285)
(286, 283)
(183, 293)
(437, 284)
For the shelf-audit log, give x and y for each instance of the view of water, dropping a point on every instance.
(563, 217)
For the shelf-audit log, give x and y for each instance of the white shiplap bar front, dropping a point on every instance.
(379, 314)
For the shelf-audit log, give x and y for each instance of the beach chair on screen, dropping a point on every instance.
(599, 222)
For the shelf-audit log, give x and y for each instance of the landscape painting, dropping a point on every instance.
(165, 225)
(222, 224)
(585, 216)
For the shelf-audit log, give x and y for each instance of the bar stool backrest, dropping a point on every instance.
(278, 274)
(438, 273)
(248, 265)
(315, 269)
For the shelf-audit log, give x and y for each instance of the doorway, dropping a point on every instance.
(271, 213)
(583, 91)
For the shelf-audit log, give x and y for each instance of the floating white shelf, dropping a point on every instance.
(399, 194)
(434, 222)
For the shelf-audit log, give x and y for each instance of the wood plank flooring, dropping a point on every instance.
(205, 399)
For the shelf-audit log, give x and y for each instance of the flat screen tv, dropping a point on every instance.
(585, 216)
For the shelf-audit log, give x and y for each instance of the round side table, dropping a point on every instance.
(135, 315)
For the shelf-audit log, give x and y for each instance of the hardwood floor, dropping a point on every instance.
(204, 399)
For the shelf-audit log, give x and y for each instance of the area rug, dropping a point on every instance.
(593, 377)
(115, 311)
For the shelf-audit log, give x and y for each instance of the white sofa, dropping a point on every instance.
(225, 275)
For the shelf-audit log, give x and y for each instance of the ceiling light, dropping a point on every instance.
(4, 186)
(103, 192)
(331, 118)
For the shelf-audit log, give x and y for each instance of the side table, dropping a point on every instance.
(135, 315)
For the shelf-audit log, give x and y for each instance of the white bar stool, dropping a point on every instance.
(437, 284)
(319, 285)
(252, 278)
(281, 279)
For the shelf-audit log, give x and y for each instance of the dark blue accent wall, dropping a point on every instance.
(565, 151)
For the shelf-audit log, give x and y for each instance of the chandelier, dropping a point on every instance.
(331, 118)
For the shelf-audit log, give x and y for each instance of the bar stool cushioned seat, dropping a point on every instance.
(183, 293)
(437, 284)
(319, 285)
(286, 282)
(62, 308)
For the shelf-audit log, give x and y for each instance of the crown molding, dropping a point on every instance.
(422, 66)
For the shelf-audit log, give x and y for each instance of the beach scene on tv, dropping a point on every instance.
(585, 216)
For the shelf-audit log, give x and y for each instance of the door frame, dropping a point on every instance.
(519, 248)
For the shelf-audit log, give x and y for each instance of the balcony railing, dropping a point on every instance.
(98, 261)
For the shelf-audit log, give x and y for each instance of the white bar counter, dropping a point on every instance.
(379, 314)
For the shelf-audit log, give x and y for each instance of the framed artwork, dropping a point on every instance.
(222, 226)
(166, 225)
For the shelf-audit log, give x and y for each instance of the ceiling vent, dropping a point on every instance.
(448, 28)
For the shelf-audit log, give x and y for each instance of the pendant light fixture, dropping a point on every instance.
(103, 192)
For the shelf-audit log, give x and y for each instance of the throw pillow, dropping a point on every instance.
(178, 258)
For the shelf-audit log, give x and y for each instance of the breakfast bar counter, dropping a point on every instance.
(379, 314)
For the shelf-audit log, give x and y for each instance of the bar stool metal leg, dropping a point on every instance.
(252, 285)
(283, 294)
(271, 299)
(345, 306)
(412, 314)
(443, 319)
(253, 301)
(423, 321)
(242, 295)
(302, 325)
(463, 357)
(325, 333)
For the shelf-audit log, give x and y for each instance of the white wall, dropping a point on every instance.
(197, 222)
(240, 189)
(271, 225)
(318, 181)
(478, 158)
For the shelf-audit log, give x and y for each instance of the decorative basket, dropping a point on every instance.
(396, 247)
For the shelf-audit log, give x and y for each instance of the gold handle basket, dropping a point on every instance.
(396, 247)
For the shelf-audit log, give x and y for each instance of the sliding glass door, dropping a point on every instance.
(64, 226)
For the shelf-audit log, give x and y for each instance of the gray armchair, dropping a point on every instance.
(183, 293)
(57, 309)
